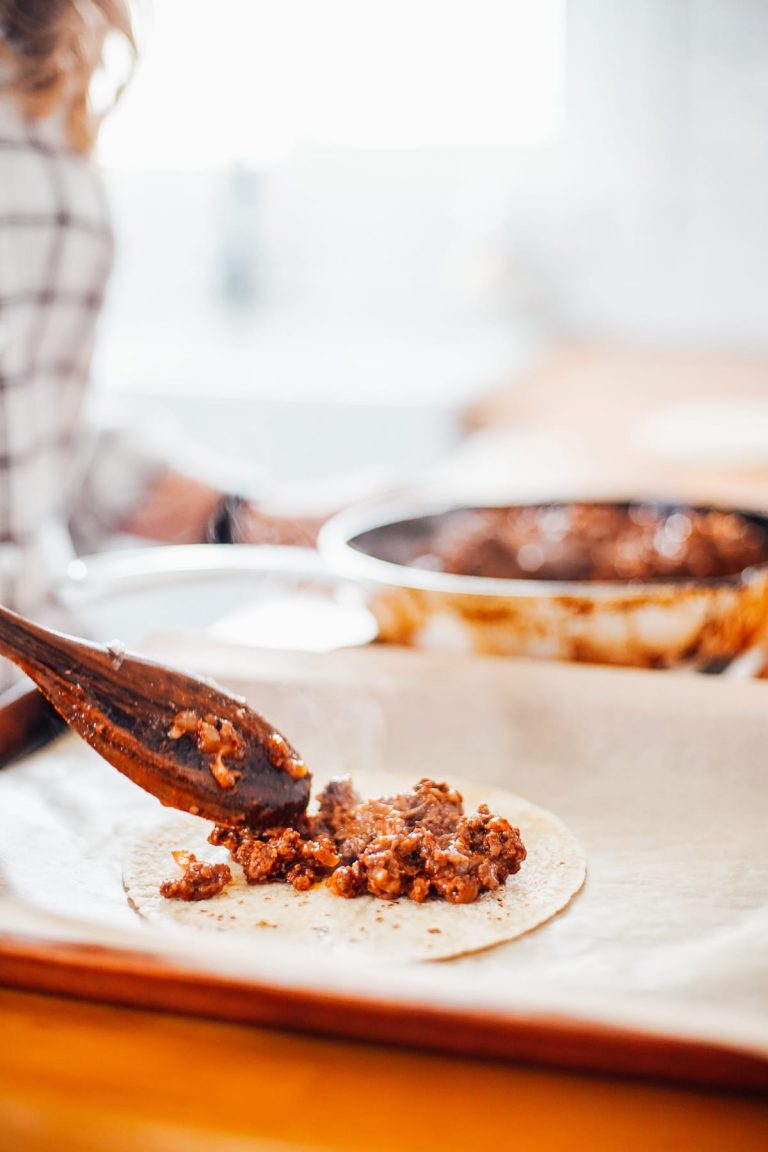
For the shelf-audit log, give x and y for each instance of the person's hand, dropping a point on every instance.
(255, 525)
(295, 516)
(181, 510)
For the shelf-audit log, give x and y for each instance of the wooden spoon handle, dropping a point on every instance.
(28, 716)
(35, 649)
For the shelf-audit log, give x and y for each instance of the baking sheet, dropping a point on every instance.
(660, 776)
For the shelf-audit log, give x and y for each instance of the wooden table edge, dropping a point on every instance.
(134, 980)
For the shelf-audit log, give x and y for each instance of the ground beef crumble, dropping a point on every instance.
(215, 738)
(291, 854)
(417, 844)
(200, 880)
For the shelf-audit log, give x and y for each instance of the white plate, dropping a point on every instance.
(265, 597)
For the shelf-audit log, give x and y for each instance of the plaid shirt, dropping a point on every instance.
(59, 481)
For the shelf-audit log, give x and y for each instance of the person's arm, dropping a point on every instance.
(175, 508)
(182, 510)
(127, 487)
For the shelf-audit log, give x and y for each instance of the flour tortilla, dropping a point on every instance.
(549, 877)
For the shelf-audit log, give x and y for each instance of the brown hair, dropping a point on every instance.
(55, 47)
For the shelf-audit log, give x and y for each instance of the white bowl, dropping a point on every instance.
(267, 597)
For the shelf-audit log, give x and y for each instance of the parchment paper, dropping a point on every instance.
(661, 776)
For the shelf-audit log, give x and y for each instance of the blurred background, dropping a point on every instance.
(350, 234)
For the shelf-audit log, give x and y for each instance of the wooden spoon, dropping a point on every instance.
(190, 743)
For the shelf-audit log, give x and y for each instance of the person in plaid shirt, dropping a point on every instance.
(65, 487)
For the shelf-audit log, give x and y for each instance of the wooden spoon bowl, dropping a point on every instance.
(189, 742)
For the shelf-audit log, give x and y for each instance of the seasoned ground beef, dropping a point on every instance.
(200, 880)
(417, 844)
(217, 739)
(595, 542)
(291, 854)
